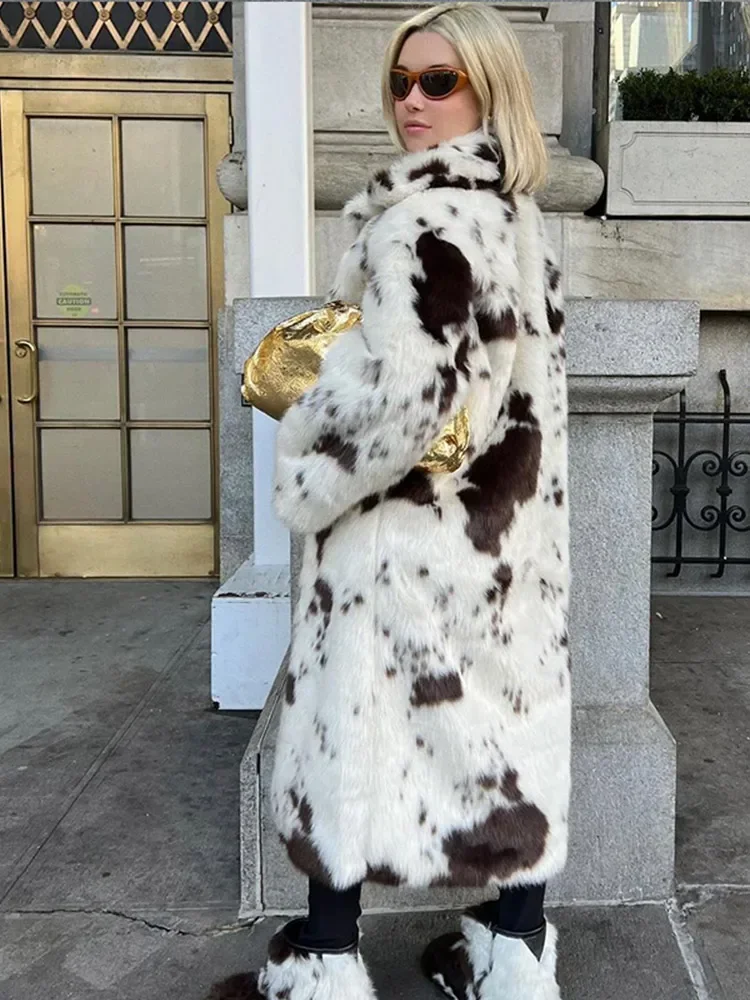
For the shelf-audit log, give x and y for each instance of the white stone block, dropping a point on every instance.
(676, 168)
(250, 631)
(236, 258)
(707, 260)
(332, 237)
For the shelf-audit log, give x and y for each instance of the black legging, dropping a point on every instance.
(333, 914)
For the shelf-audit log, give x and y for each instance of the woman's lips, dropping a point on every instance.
(416, 129)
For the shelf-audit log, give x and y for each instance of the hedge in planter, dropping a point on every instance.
(721, 95)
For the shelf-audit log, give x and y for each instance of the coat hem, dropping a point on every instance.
(307, 861)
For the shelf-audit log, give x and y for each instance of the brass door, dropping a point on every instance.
(114, 277)
(6, 499)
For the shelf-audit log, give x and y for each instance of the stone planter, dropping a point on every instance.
(687, 169)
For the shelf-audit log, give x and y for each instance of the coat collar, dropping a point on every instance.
(472, 162)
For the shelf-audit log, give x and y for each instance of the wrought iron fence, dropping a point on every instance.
(725, 465)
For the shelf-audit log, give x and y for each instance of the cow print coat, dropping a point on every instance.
(425, 730)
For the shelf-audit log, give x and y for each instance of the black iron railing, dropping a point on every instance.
(725, 466)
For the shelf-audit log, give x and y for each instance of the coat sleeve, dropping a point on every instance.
(387, 387)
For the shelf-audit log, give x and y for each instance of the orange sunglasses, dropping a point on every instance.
(436, 83)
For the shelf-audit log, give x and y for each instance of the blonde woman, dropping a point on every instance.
(425, 733)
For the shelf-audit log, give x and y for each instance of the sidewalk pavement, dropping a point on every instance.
(119, 832)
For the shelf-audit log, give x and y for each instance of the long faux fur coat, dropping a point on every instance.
(425, 734)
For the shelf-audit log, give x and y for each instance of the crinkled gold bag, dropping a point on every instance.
(287, 361)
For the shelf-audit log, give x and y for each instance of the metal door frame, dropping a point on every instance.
(15, 108)
(7, 539)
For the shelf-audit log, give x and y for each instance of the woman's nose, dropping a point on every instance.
(413, 99)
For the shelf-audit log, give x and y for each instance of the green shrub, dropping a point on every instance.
(721, 95)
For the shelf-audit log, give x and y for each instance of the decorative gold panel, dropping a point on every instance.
(177, 28)
(132, 550)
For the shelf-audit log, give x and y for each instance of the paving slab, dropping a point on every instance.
(706, 705)
(611, 953)
(122, 878)
(720, 923)
(697, 629)
(605, 953)
(121, 780)
(156, 826)
(77, 956)
(77, 659)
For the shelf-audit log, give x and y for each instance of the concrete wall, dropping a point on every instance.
(348, 41)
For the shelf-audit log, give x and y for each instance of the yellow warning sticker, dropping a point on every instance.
(74, 302)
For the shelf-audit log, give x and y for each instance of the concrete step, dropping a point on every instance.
(622, 826)
(605, 953)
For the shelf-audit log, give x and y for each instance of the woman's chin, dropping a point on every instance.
(416, 143)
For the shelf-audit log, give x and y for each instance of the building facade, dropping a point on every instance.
(172, 176)
(120, 249)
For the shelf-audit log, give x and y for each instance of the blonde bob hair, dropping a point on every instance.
(488, 48)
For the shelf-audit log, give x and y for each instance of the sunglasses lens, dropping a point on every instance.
(399, 84)
(438, 83)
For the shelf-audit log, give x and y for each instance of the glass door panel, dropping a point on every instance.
(81, 474)
(74, 271)
(165, 272)
(171, 474)
(56, 143)
(114, 338)
(78, 373)
(170, 153)
(169, 374)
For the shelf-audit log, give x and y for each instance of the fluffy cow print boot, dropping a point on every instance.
(482, 962)
(292, 972)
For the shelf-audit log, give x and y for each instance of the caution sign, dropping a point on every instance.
(74, 302)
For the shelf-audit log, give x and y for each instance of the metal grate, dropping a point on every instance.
(177, 28)
(712, 474)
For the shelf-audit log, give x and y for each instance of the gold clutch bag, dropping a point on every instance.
(287, 361)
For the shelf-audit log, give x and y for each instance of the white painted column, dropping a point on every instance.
(280, 204)
(250, 613)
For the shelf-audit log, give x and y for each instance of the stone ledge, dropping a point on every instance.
(594, 344)
(607, 394)
(345, 161)
(397, 13)
(620, 755)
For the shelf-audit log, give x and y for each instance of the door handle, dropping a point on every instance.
(27, 348)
